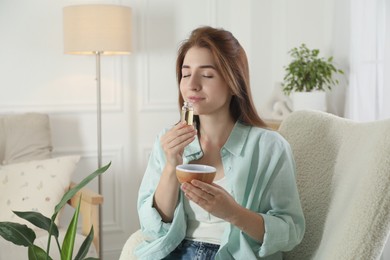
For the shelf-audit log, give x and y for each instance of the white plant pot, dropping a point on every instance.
(315, 100)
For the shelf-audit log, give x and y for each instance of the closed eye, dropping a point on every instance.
(186, 76)
(209, 77)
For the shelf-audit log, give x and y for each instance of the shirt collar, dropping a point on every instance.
(234, 144)
(237, 138)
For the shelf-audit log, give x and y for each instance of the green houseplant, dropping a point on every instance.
(24, 236)
(308, 72)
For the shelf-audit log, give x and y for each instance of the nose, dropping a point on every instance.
(193, 83)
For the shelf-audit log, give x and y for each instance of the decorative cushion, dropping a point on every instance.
(24, 137)
(34, 186)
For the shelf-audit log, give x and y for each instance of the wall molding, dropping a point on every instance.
(112, 193)
(115, 104)
(147, 103)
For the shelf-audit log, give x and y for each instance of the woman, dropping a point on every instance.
(252, 210)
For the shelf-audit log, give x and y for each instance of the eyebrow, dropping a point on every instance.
(202, 67)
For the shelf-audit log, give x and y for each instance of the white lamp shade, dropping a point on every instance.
(89, 29)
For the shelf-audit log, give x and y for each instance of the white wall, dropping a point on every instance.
(37, 76)
(139, 92)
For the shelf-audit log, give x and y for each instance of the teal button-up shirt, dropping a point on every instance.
(260, 170)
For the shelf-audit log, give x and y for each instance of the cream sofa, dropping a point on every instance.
(31, 180)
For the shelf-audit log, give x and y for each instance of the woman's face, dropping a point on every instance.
(202, 85)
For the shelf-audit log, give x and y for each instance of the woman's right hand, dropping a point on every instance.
(174, 141)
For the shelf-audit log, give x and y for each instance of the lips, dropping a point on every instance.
(195, 99)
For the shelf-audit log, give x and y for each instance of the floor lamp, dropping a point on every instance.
(97, 30)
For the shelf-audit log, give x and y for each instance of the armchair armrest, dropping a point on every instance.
(89, 210)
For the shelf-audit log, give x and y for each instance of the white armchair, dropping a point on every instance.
(343, 176)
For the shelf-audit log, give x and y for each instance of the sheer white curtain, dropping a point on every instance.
(368, 94)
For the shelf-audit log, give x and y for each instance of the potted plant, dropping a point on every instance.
(24, 236)
(308, 77)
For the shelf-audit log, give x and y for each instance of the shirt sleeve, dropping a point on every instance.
(283, 220)
(151, 222)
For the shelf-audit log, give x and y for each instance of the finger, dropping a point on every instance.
(202, 201)
(174, 129)
(178, 135)
(198, 200)
(187, 129)
(209, 188)
(178, 145)
(205, 201)
(195, 193)
(181, 139)
(181, 126)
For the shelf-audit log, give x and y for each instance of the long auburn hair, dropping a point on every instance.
(231, 63)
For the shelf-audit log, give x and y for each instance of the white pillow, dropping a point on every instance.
(34, 186)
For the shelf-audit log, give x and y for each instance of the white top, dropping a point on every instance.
(201, 225)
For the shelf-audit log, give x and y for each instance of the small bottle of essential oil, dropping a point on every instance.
(187, 113)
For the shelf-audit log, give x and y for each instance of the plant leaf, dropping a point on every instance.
(38, 220)
(70, 236)
(17, 233)
(70, 193)
(307, 71)
(85, 246)
(37, 253)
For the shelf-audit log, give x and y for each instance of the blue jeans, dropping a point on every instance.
(193, 250)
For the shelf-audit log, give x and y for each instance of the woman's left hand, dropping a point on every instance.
(211, 197)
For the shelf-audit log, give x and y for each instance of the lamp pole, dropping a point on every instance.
(99, 113)
(97, 30)
(99, 147)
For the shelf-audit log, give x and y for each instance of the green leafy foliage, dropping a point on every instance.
(86, 244)
(38, 220)
(308, 72)
(16, 233)
(68, 243)
(24, 236)
(37, 253)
